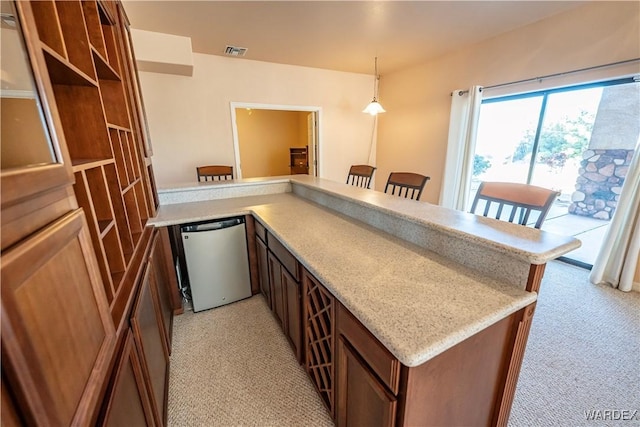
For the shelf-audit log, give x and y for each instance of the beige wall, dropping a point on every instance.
(412, 135)
(190, 117)
(264, 138)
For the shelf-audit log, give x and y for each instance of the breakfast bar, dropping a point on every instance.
(421, 286)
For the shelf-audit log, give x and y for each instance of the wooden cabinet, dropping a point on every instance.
(70, 276)
(148, 333)
(169, 301)
(279, 277)
(129, 403)
(292, 298)
(319, 338)
(368, 376)
(299, 160)
(362, 399)
(263, 269)
(57, 335)
(373, 388)
(277, 293)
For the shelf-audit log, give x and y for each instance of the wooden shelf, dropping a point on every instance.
(84, 197)
(63, 72)
(84, 164)
(116, 278)
(49, 31)
(75, 36)
(113, 252)
(86, 133)
(94, 26)
(93, 85)
(103, 69)
(104, 226)
(117, 127)
(119, 211)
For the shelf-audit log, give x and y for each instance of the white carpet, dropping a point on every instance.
(233, 366)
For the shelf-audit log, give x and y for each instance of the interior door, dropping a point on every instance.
(312, 142)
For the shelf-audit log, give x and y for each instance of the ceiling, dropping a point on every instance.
(339, 35)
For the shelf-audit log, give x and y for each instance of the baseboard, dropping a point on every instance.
(575, 262)
(635, 287)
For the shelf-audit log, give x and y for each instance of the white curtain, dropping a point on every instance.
(618, 256)
(461, 147)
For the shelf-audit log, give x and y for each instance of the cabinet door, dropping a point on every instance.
(57, 335)
(293, 313)
(277, 294)
(362, 399)
(128, 403)
(167, 283)
(263, 269)
(146, 324)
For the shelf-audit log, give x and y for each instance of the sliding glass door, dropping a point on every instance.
(577, 140)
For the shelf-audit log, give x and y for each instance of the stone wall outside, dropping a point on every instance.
(599, 183)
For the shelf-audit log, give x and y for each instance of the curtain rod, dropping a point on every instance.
(548, 76)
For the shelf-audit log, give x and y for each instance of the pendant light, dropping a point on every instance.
(374, 106)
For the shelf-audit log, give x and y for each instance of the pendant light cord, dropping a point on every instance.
(375, 80)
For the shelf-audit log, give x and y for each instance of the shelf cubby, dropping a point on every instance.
(133, 214)
(134, 150)
(84, 197)
(63, 72)
(75, 36)
(113, 252)
(86, 134)
(120, 214)
(100, 197)
(84, 164)
(142, 202)
(49, 31)
(118, 154)
(103, 68)
(114, 102)
(94, 26)
(126, 149)
(110, 43)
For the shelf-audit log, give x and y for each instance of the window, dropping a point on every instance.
(577, 140)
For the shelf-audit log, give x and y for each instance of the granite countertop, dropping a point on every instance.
(526, 243)
(415, 302)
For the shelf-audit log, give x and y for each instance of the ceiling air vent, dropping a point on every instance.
(235, 51)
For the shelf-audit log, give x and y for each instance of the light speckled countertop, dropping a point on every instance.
(415, 302)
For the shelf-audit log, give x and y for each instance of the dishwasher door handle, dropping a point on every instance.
(216, 225)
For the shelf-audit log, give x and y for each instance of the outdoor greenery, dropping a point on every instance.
(480, 164)
(559, 141)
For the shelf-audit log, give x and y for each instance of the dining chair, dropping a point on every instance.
(214, 173)
(360, 175)
(520, 200)
(411, 183)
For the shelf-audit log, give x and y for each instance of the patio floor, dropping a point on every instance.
(590, 231)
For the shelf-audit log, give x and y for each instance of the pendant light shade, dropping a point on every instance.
(374, 106)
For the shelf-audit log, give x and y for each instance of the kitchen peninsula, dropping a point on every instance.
(424, 311)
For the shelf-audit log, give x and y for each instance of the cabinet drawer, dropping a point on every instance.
(285, 257)
(261, 231)
(381, 361)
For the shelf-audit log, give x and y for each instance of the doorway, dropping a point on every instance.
(275, 140)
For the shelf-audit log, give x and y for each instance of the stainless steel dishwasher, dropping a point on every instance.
(217, 262)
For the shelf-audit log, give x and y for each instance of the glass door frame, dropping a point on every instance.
(543, 107)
